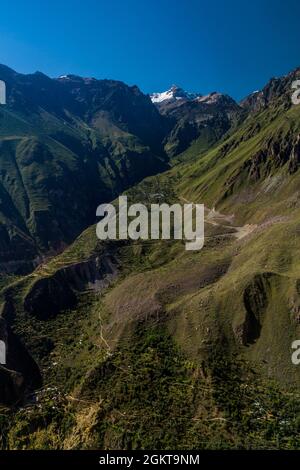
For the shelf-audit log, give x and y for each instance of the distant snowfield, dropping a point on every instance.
(177, 93)
(166, 95)
(173, 94)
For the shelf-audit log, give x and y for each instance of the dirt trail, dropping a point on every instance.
(214, 217)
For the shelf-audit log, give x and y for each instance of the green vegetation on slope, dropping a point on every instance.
(157, 347)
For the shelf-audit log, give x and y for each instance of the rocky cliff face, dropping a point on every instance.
(50, 295)
(277, 91)
(46, 298)
(20, 374)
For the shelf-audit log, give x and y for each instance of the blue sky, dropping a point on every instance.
(230, 46)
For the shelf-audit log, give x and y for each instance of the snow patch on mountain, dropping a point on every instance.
(175, 93)
(165, 95)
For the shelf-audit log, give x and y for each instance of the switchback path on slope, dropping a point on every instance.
(214, 217)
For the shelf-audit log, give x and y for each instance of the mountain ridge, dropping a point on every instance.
(100, 135)
(144, 345)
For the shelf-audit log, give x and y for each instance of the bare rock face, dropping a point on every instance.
(294, 161)
(255, 298)
(11, 386)
(46, 298)
(50, 295)
(276, 90)
(20, 372)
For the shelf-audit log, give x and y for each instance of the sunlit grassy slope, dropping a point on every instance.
(180, 349)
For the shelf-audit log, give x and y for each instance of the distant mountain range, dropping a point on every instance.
(194, 116)
(176, 95)
(70, 143)
(141, 344)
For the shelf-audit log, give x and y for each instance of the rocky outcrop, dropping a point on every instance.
(294, 161)
(11, 386)
(49, 295)
(276, 90)
(20, 372)
(255, 300)
(274, 153)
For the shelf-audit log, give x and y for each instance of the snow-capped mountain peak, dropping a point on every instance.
(175, 93)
